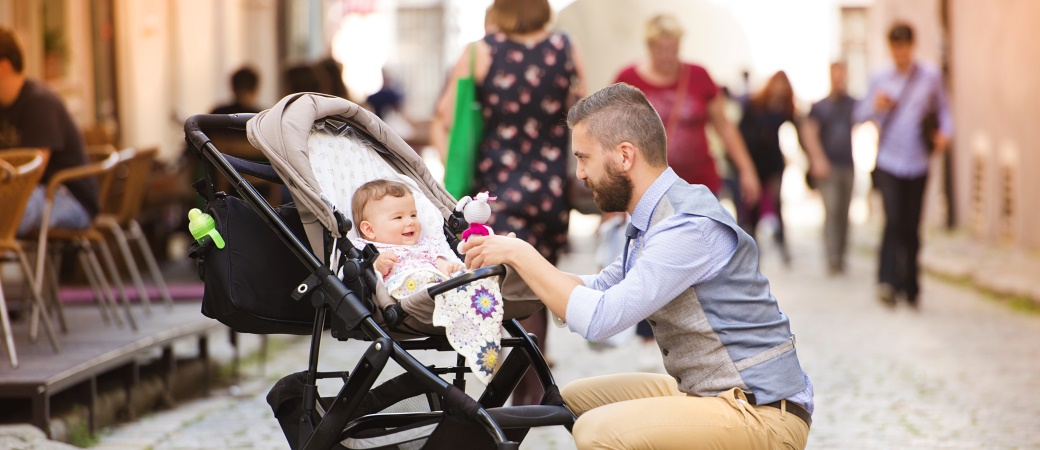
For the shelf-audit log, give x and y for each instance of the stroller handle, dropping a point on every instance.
(466, 278)
(195, 126)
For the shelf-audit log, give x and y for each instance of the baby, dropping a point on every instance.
(471, 315)
(386, 216)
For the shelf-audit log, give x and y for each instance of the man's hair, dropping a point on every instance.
(520, 16)
(901, 32)
(621, 113)
(244, 80)
(373, 191)
(11, 49)
(663, 25)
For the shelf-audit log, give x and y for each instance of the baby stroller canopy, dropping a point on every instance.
(282, 132)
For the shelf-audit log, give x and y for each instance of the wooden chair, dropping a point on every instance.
(20, 171)
(102, 166)
(119, 217)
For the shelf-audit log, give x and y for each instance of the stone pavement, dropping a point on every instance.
(959, 373)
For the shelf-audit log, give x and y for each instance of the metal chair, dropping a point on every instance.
(20, 171)
(104, 162)
(119, 217)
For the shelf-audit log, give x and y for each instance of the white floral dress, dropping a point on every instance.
(471, 314)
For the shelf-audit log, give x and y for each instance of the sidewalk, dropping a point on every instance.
(1000, 270)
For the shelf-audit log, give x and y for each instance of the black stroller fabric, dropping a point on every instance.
(250, 280)
(286, 401)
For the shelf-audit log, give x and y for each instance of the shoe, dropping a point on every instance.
(886, 295)
(912, 302)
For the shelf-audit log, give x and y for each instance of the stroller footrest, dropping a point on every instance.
(530, 416)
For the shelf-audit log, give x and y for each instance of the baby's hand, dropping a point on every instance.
(385, 262)
(448, 267)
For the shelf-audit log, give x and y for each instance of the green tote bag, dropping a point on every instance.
(466, 134)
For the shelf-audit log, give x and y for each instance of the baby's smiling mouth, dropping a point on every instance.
(408, 233)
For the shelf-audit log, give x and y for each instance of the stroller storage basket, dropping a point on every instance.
(249, 282)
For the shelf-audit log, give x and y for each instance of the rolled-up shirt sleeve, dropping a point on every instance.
(679, 252)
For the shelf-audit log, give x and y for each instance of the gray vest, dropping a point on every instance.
(727, 332)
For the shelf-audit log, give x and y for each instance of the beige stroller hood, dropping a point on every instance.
(282, 132)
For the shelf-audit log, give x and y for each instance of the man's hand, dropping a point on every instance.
(385, 262)
(819, 169)
(883, 103)
(448, 267)
(483, 251)
(941, 142)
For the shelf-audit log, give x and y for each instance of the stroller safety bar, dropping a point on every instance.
(467, 278)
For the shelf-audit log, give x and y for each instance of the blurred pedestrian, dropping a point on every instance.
(526, 77)
(330, 75)
(245, 86)
(304, 78)
(389, 98)
(388, 104)
(764, 113)
(827, 138)
(908, 102)
(687, 99)
(32, 115)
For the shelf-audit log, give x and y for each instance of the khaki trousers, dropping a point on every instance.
(647, 411)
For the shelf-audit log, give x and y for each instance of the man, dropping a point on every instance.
(827, 135)
(898, 100)
(245, 85)
(734, 379)
(31, 115)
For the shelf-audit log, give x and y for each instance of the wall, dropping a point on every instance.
(995, 66)
(175, 58)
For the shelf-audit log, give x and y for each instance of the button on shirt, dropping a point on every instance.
(663, 261)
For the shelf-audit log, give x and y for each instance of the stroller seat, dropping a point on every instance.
(322, 148)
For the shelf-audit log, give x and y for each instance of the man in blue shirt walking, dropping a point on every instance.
(904, 100)
(734, 379)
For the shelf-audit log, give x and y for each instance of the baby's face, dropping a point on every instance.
(392, 220)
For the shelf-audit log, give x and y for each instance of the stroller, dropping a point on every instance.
(261, 278)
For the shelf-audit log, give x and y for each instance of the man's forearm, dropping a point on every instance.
(550, 284)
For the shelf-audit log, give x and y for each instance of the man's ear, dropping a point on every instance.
(626, 155)
(366, 230)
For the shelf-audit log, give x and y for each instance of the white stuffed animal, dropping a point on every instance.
(477, 212)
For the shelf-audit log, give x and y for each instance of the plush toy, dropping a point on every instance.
(476, 211)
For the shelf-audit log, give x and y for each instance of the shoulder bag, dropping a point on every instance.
(467, 131)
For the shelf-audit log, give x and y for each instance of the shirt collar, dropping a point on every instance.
(645, 208)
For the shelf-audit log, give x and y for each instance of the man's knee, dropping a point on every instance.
(572, 394)
(593, 430)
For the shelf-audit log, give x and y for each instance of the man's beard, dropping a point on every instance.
(614, 192)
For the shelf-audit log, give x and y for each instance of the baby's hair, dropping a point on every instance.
(373, 191)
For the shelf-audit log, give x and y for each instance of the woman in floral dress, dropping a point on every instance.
(525, 76)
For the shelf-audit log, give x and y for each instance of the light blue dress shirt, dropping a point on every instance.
(901, 150)
(679, 252)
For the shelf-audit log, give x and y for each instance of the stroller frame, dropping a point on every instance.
(351, 318)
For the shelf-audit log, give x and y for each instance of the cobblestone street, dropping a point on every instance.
(959, 373)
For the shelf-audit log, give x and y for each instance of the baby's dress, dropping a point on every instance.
(470, 314)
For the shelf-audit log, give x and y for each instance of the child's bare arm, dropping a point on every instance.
(385, 262)
(448, 267)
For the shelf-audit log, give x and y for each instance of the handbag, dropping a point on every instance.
(930, 125)
(467, 131)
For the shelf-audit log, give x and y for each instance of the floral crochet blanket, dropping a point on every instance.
(471, 314)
